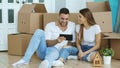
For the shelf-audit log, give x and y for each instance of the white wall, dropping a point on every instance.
(59, 4)
(73, 5)
(50, 5)
(89, 0)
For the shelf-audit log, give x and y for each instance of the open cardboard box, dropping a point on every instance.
(30, 18)
(102, 14)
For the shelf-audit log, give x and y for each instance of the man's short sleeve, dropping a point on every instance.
(48, 32)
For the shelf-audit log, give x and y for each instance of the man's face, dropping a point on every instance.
(63, 19)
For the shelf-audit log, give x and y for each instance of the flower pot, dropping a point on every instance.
(107, 59)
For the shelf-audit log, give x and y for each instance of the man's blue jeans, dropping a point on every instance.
(38, 44)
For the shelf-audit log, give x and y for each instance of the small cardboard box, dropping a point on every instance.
(17, 43)
(102, 15)
(30, 18)
(49, 17)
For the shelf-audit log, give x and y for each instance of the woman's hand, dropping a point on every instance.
(81, 54)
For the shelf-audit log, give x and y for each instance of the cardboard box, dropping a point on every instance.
(49, 17)
(30, 18)
(102, 15)
(17, 43)
(114, 43)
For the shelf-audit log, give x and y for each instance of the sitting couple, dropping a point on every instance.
(53, 49)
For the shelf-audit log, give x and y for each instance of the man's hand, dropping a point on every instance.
(60, 39)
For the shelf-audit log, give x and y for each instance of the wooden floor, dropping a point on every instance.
(6, 61)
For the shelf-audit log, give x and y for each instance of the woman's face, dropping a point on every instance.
(82, 19)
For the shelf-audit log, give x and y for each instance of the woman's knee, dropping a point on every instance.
(92, 56)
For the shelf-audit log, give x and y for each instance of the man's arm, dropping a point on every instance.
(51, 42)
(71, 43)
(54, 42)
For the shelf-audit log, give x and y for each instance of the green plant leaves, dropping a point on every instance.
(107, 52)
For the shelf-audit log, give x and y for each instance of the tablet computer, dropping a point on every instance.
(67, 36)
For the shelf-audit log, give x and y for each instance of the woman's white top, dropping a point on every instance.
(89, 35)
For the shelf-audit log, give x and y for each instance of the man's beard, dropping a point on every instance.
(63, 23)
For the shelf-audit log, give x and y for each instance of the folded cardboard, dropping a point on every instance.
(17, 43)
(49, 17)
(30, 18)
(102, 14)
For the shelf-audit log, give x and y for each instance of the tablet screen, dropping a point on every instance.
(67, 36)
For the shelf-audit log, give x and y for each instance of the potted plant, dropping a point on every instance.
(107, 54)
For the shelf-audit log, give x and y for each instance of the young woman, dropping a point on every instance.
(88, 38)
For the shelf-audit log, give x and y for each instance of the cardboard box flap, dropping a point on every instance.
(111, 35)
(32, 8)
(40, 8)
(27, 8)
(98, 6)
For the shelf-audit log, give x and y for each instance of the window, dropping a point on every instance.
(10, 1)
(0, 15)
(0, 1)
(10, 16)
(30, 1)
(41, 0)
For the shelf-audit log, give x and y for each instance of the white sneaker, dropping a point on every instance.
(72, 57)
(20, 62)
(58, 63)
(44, 64)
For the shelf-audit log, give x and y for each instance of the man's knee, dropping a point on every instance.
(39, 32)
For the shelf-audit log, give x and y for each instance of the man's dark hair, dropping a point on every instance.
(64, 10)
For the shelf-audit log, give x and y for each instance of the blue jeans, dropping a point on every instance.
(38, 44)
(65, 52)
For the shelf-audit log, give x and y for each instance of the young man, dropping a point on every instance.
(47, 45)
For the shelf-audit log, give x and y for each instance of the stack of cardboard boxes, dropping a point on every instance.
(102, 14)
(30, 18)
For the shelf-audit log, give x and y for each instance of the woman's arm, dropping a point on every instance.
(77, 42)
(97, 46)
(80, 53)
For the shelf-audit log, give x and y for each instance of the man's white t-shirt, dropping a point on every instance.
(89, 34)
(52, 32)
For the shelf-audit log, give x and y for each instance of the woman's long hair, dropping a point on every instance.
(90, 20)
